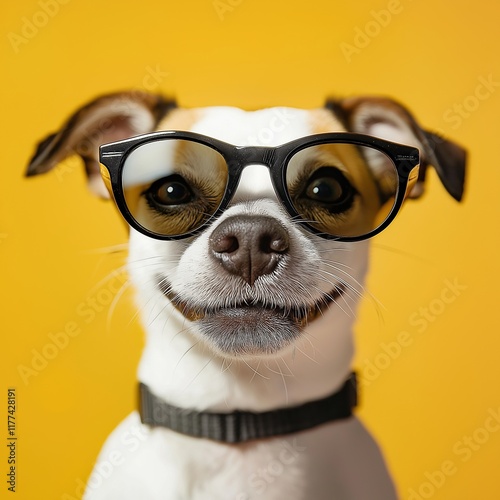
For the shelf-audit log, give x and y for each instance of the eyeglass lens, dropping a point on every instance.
(174, 186)
(342, 189)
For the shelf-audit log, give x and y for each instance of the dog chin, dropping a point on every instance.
(248, 331)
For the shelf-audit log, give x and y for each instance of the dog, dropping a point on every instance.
(249, 246)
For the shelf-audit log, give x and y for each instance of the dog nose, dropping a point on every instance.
(249, 246)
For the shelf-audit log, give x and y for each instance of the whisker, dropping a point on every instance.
(161, 260)
(223, 370)
(150, 320)
(112, 249)
(337, 284)
(349, 314)
(354, 280)
(199, 373)
(256, 372)
(115, 301)
(364, 293)
(287, 367)
(135, 316)
(306, 355)
(403, 253)
(343, 248)
(184, 355)
(279, 372)
(181, 331)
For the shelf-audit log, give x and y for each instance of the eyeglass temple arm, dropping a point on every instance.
(412, 180)
(106, 177)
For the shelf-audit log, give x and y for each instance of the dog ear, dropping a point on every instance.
(385, 118)
(108, 118)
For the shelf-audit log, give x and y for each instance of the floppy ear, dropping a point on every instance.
(108, 118)
(387, 119)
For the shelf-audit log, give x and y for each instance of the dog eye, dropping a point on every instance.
(329, 187)
(170, 191)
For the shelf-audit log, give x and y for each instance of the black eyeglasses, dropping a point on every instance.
(169, 185)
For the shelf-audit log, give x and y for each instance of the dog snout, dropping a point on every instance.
(249, 246)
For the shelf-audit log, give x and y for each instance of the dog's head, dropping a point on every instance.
(249, 280)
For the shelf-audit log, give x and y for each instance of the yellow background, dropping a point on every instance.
(54, 235)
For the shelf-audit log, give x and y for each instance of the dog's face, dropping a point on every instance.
(253, 282)
(250, 282)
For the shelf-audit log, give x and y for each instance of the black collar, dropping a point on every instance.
(239, 426)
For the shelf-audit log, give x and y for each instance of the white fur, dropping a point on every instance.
(334, 461)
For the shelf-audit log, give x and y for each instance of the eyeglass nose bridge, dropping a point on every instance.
(256, 155)
(242, 157)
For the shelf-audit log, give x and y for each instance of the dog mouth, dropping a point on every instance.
(300, 315)
(251, 327)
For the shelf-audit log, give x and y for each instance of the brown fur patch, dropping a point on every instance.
(323, 120)
(362, 217)
(180, 119)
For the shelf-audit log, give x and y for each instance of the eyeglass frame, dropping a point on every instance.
(113, 156)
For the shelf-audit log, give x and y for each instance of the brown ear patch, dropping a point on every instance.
(108, 118)
(451, 159)
(386, 118)
(41, 149)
